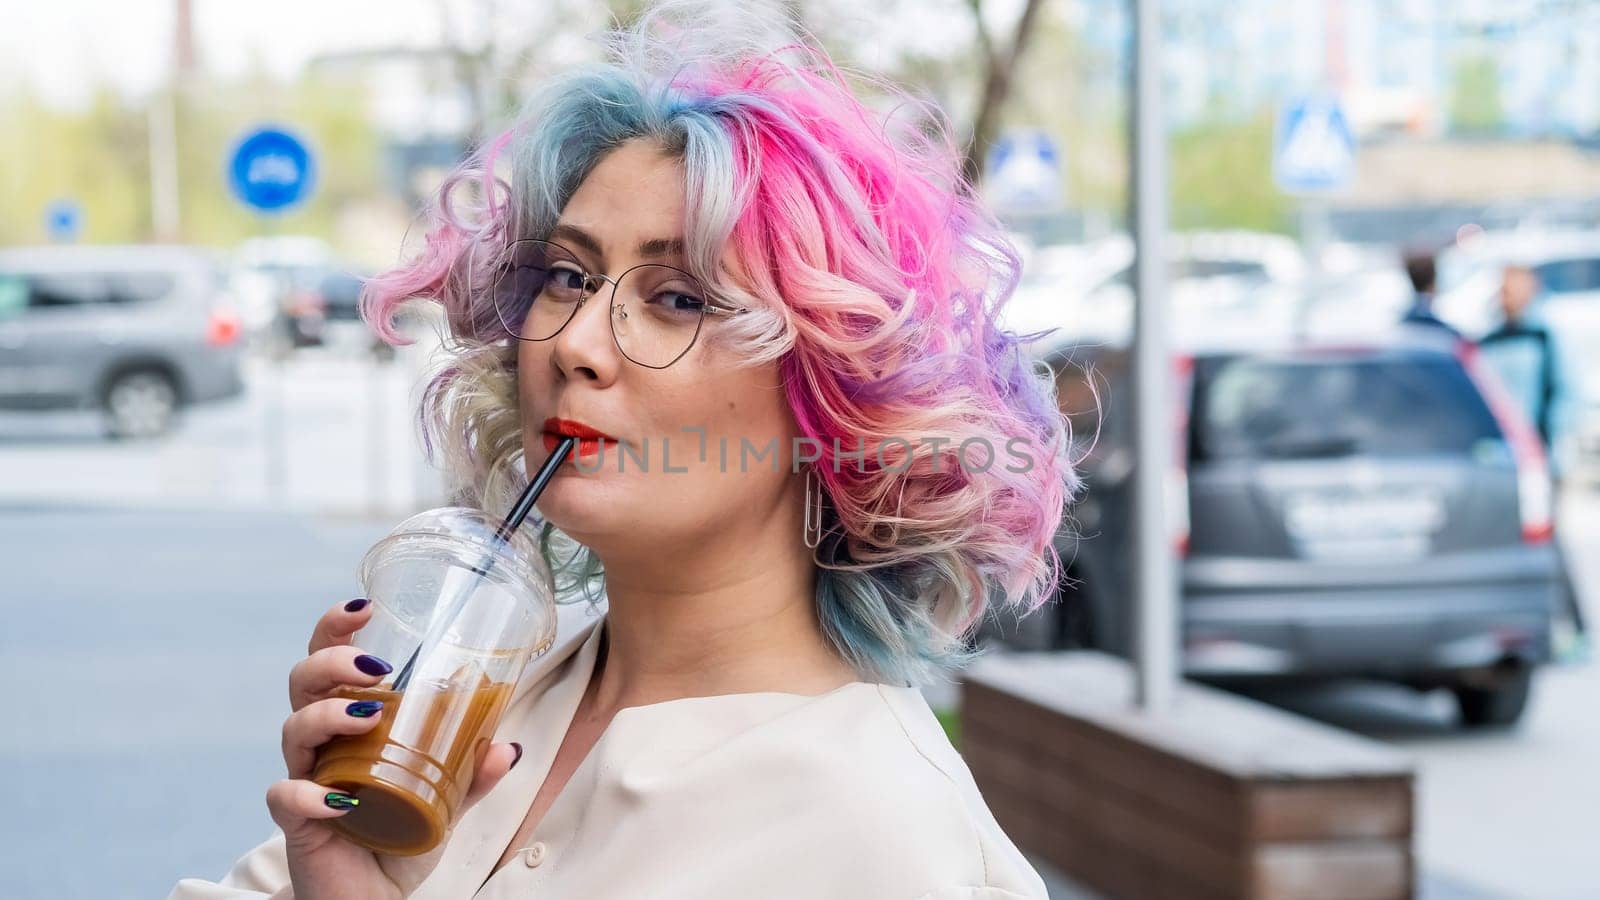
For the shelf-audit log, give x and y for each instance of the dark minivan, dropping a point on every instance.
(1373, 508)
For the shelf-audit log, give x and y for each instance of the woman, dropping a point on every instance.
(711, 257)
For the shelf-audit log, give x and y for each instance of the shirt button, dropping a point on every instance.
(534, 855)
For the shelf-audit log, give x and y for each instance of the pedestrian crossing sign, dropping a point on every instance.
(1314, 149)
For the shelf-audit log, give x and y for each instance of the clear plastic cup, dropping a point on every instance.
(412, 770)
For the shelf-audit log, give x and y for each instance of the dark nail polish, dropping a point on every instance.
(515, 759)
(364, 709)
(336, 800)
(356, 605)
(371, 665)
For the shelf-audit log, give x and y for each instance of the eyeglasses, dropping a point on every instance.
(656, 311)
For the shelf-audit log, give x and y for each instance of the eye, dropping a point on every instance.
(564, 281)
(677, 300)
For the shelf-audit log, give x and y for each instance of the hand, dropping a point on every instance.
(323, 865)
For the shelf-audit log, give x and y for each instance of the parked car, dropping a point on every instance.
(313, 291)
(341, 295)
(1358, 508)
(335, 293)
(135, 332)
(307, 306)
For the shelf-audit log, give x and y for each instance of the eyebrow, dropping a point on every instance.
(656, 247)
(661, 247)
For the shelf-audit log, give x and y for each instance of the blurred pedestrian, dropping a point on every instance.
(1421, 270)
(1526, 355)
(1528, 359)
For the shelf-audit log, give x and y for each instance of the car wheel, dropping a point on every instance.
(1498, 705)
(141, 404)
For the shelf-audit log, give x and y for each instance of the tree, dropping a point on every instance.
(1475, 96)
(96, 156)
(99, 156)
(999, 68)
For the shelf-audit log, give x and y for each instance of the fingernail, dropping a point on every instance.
(371, 665)
(356, 605)
(336, 800)
(515, 759)
(363, 709)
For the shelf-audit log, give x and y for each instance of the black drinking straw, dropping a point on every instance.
(513, 521)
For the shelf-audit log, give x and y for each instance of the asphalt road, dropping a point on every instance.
(149, 651)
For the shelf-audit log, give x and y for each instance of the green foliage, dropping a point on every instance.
(100, 156)
(96, 155)
(329, 114)
(1222, 177)
(1220, 170)
(1475, 96)
(951, 720)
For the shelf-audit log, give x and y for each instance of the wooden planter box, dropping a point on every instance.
(1218, 797)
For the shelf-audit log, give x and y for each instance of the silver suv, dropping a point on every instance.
(1361, 507)
(136, 332)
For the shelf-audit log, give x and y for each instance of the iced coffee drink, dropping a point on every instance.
(476, 626)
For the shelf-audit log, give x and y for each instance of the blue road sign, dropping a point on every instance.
(271, 170)
(1314, 149)
(1022, 172)
(63, 220)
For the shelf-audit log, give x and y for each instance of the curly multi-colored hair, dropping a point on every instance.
(875, 275)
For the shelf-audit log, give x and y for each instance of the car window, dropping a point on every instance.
(140, 287)
(13, 294)
(1566, 276)
(56, 290)
(1214, 268)
(1381, 404)
(341, 288)
(1190, 267)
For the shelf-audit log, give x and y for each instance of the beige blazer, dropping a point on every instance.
(855, 794)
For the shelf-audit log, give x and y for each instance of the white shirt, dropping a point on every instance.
(856, 793)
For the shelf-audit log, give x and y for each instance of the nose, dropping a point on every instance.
(585, 348)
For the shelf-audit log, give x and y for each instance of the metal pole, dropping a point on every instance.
(1314, 231)
(377, 438)
(162, 124)
(163, 132)
(1156, 587)
(277, 402)
(277, 406)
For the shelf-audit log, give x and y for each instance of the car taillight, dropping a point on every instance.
(222, 328)
(1178, 477)
(1535, 496)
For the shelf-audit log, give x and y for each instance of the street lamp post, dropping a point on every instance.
(1156, 587)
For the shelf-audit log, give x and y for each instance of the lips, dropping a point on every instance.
(590, 441)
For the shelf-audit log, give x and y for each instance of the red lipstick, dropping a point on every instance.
(590, 440)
